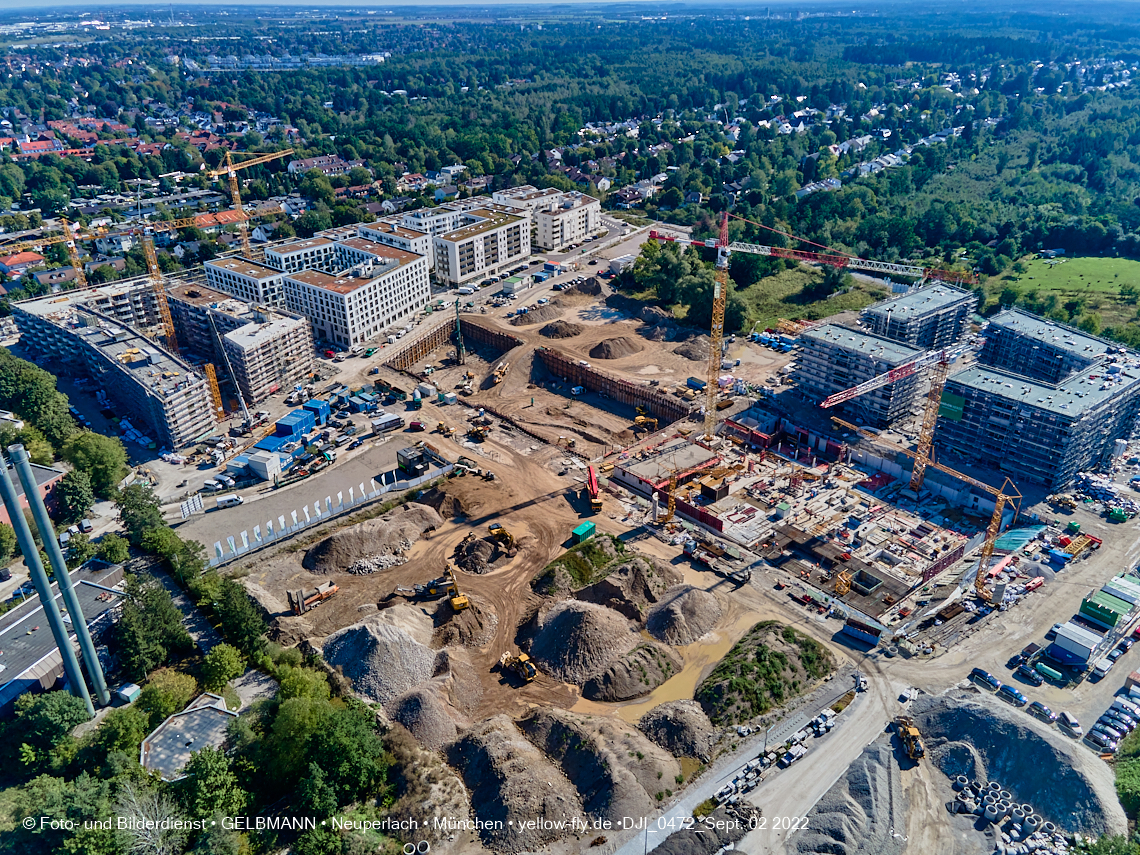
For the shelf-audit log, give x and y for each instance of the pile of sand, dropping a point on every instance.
(592, 287)
(472, 627)
(696, 349)
(634, 675)
(632, 587)
(381, 660)
(388, 537)
(540, 315)
(680, 727)
(480, 556)
(424, 713)
(511, 784)
(683, 615)
(577, 640)
(561, 329)
(616, 348)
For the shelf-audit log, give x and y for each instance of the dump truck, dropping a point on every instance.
(519, 665)
(910, 737)
(301, 601)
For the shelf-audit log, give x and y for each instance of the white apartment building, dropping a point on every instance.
(314, 253)
(486, 241)
(247, 280)
(359, 304)
(390, 232)
(529, 198)
(576, 218)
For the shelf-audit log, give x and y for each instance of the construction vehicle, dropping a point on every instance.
(502, 536)
(1004, 495)
(230, 170)
(1064, 501)
(444, 430)
(477, 433)
(458, 600)
(641, 411)
(645, 423)
(568, 441)
(500, 372)
(910, 737)
(592, 487)
(417, 426)
(521, 666)
(301, 601)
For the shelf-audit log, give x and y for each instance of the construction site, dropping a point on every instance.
(626, 507)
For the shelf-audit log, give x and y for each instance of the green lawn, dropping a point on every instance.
(1094, 282)
(788, 295)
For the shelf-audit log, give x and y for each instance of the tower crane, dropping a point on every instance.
(938, 363)
(230, 170)
(158, 285)
(1006, 494)
(716, 330)
(68, 238)
(230, 370)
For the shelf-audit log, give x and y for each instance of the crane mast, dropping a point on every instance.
(716, 330)
(230, 170)
(156, 283)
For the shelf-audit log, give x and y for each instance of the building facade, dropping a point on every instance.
(247, 280)
(316, 253)
(576, 217)
(1040, 349)
(933, 317)
(272, 353)
(486, 242)
(834, 358)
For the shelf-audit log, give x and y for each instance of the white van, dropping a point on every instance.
(465, 291)
(229, 501)
(1070, 723)
(1102, 667)
(212, 486)
(225, 479)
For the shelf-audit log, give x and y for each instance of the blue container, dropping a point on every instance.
(320, 410)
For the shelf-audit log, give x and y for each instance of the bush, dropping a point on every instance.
(113, 548)
(166, 693)
(222, 664)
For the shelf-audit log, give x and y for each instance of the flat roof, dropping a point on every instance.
(150, 365)
(883, 349)
(389, 228)
(1079, 634)
(197, 295)
(1052, 333)
(338, 283)
(489, 220)
(52, 303)
(300, 246)
(576, 202)
(380, 250)
(1109, 601)
(255, 335)
(204, 723)
(244, 267)
(918, 303)
(1079, 392)
(679, 455)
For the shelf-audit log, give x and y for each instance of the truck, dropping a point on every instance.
(301, 601)
(695, 383)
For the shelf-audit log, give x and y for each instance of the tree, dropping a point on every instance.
(150, 628)
(351, 753)
(222, 664)
(103, 458)
(44, 720)
(241, 622)
(166, 692)
(79, 549)
(138, 511)
(316, 186)
(314, 795)
(7, 543)
(210, 786)
(74, 496)
(122, 729)
(112, 548)
(159, 832)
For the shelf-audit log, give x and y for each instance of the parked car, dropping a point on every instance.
(985, 678)
(1115, 654)
(1111, 732)
(1039, 710)
(356, 443)
(1069, 722)
(1029, 675)
(1112, 719)
(1126, 644)
(1011, 695)
(1101, 741)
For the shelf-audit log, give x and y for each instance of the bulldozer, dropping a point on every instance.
(910, 737)
(521, 666)
(444, 430)
(477, 433)
(503, 536)
(645, 423)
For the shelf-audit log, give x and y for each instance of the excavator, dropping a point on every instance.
(477, 433)
(502, 536)
(521, 666)
(459, 600)
(910, 737)
(444, 586)
(592, 486)
(645, 423)
(444, 430)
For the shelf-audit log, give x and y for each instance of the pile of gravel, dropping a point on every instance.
(591, 287)
(631, 587)
(634, 675)
(616, 348)
(473, 627)
(382, 660)
(696, 349)
(680, 727)
(365, 566)
(683, 615)
(384, 537)
(424, 714)
(577, 640)
(541, 315)
(561, 329)
(861, 810)
(479, 556)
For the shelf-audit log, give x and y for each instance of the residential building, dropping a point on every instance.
(329, 165)
(576, 218)
(390, 233)
(247, 280)
(313, 253)
(115, 244)
(933, 317)
(271, 353)
(197, 311)
(19, 263)
(529, 198)
(485, 242)
(833, 358)
(46, 479)
(357, 305)
(1038, 348)
(56, 277)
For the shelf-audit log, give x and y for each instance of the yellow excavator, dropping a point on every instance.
(477, 433)
(645, 423)
(502, 535)
(521, 666)
(459, 601)
(444, 430)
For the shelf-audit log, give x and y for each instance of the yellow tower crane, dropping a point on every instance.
(158, 285)
(68, 238)
(230, 170)
(716, 330)
(215, 392)
(1004, 495)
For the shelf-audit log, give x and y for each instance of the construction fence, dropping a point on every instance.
(407, 356)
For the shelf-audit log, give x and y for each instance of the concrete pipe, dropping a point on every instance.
(1018, 815)
(1002, 808)
(1032, 823)
(1006, 796)
(960, 782)
(1049, 828)
(995, 786)
(991, 813)
(989, 799)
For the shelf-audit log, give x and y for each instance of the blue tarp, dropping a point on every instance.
(1016, 538)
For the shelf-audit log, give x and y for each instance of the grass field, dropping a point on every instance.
(1094, 281)
(788, 295)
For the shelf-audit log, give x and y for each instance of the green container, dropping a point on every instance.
(1117, 515)
(1046, 671)
(583, 532)
(1072, 528)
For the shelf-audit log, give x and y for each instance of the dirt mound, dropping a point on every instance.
(655, 316)
(373, 544)
(637, 673)
(460, 681)
(472, 627)
(616, 348)
(383, 661)
(969, 732)
(616, 770)
(769, 666)
(680, 727)
(511, 783)
(723, 828)
(632, 587)
(480, 556)
(561, 329)
(428, 788)
(424, 713)
(577, 640)
(696, 348)
(591, 287)
(540, 315)
(861, 810)
(446, 503)
(683, 615)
